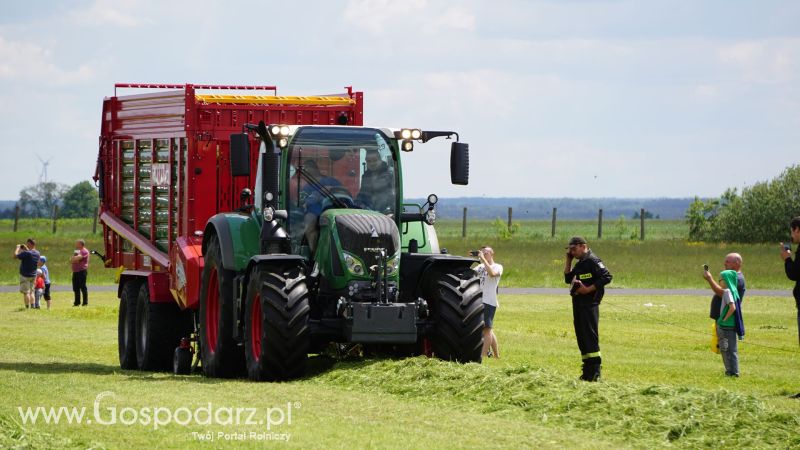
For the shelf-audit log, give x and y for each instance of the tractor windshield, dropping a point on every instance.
(335, 167)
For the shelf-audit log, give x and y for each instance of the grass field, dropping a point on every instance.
(662, 386)
(531, 258)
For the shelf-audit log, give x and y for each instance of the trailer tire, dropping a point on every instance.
(277, 335)
(126, 326)
(457, 310)
(220, 354)
(159, 329)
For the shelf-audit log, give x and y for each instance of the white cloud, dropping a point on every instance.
(380, 17)
(27, 61)
(763, 61)
(112, 13)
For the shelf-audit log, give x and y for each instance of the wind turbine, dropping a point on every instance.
(43, 174)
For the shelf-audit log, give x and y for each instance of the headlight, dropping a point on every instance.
(405, 133)
(416, 134)
(284, 130)
(430, 217)
(275, 130)
(354, 265)
(407, 145)
(393, 264)
(269, 214)
(283, 142)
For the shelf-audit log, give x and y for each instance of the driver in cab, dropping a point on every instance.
(312, 199)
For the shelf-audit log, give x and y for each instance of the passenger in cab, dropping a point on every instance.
(377, 184)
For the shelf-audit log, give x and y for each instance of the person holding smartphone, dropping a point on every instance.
(489, 272)
(587, 280)
(792, 267)
(733, 261)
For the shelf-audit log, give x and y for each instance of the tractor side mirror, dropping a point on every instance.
(240, 155)
(459, 163)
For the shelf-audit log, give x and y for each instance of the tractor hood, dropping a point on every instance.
(350, 231)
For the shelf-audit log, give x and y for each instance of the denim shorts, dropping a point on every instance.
(488, 315)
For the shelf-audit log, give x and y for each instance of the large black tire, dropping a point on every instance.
(159, 329)
(457, 310)
(126, 326)
(220, 354)
(277, 336)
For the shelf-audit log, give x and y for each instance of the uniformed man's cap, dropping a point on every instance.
(576, 240)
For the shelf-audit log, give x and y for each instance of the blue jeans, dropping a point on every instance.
(729, 349)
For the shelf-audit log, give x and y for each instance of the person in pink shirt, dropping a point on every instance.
(80, 269)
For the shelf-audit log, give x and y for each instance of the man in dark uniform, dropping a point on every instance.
(587, 282)
(792, 267)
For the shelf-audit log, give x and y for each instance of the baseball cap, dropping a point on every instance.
(43, 258)
(576, 240)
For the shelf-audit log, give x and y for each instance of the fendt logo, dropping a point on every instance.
(160, 174)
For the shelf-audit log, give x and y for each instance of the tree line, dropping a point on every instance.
(38, 200)
(761, 213)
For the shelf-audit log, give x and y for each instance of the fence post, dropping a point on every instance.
(55, 217)
(94, 223)
(553, 227)
(600, 224)
(464, 224)
(509, 219)
(16, 217)
(641, 224)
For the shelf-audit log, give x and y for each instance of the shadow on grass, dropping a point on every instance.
(318, 365)
(60, 368)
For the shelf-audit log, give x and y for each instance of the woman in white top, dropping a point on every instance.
(489, 272)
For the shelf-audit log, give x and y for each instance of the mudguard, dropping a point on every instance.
(274, 259)
(415, 267)
(238, 236)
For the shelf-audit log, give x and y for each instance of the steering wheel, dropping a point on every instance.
(342, 193)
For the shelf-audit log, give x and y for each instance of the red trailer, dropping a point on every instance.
(163, 170)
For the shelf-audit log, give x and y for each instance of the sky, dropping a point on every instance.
(555, 98)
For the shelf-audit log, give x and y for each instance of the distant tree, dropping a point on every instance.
(38, 200)
(80, 200)
(647, 214)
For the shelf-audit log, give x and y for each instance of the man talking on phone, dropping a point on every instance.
(792, 267)
(587, 282)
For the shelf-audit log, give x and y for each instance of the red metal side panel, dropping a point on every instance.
(170, 135)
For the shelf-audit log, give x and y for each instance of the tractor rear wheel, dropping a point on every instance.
(159, 329)
(457, 310)
(276, 329)
(220, 354)
(126, 327)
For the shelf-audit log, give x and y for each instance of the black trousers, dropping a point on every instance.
(586, 318)
(79, 287)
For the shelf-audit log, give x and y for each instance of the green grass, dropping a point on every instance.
(662, 386)
(57, 247)
(530, 258)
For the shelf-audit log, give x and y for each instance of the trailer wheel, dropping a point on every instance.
(457, 310)
(277, 336)
(219, 352)
(126, 327)
(159, 328)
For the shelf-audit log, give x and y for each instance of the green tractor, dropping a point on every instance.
(324, 251)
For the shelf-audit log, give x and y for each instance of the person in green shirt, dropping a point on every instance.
(726, 323)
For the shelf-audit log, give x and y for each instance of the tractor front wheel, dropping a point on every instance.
(276, 329)
(457, 311)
